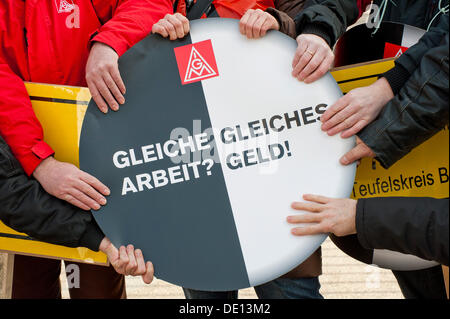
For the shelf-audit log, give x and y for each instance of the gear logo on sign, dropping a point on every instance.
(196, 62)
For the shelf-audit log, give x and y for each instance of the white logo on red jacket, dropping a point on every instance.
(64, 5)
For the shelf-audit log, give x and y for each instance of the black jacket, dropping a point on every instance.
(412, 225)
(326, 18)
(27, 208)
(417, 13)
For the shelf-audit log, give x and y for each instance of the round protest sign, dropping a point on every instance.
(215, 141)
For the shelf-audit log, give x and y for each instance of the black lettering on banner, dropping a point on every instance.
(306, 115)
(443, 175)
(430, 179)
(175, 147)
(391, 184)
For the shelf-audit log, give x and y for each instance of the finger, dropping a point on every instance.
(304, 218)
(354, 129)
(140, 270)
(310, 207)
(324, 67)
(113, 88)
(356, 153)
(86, 200)
(160, 29)
(332, 110)
(148, 276)
(170, 29)
(347, 123)
(97, 97)
(117, 78)
(316, 198)
(266, 27)
(112, 252)
(106, 94)
(75, 202)
(132, 264)
(308, 230)
(178, 25)
(184, 21)
(123, 260)
(345, 113)
(312, 65)
(257, 26)
(301, 49)
(95, 183)
(243, 23)
(303, 62)
(251, 21)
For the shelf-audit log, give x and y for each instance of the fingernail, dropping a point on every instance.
(106, 191)
(103, 201)
(96, 207)
(122, 100)
(105, 110)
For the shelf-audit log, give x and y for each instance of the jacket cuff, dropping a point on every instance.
(360, 221)
(39, 152)
(110, 40)
(397, 77)
(377, 143)
(318, 30)
(286, 23)
(92, 236)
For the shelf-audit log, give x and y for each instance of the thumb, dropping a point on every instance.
(148, 276)
(112, 252)
(356, 153)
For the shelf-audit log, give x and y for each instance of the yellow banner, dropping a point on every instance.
(61, 109)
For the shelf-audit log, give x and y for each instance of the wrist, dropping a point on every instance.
(38, 171)
(384, 90)
(104, 244)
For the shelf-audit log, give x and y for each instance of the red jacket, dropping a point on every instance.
(48, 41)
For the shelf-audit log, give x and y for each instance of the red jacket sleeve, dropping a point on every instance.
(18, 124)
(126, 22)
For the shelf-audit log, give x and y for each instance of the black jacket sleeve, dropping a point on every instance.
(27, 208)
(326, 18)
(409, 61)
(411, 225)
(416, 113)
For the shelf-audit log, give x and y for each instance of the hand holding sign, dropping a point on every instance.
(256, 23)
(67, 182)
(312, 59)
(103, 77)
(352, 112)
(128, 261)
(173, 26)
